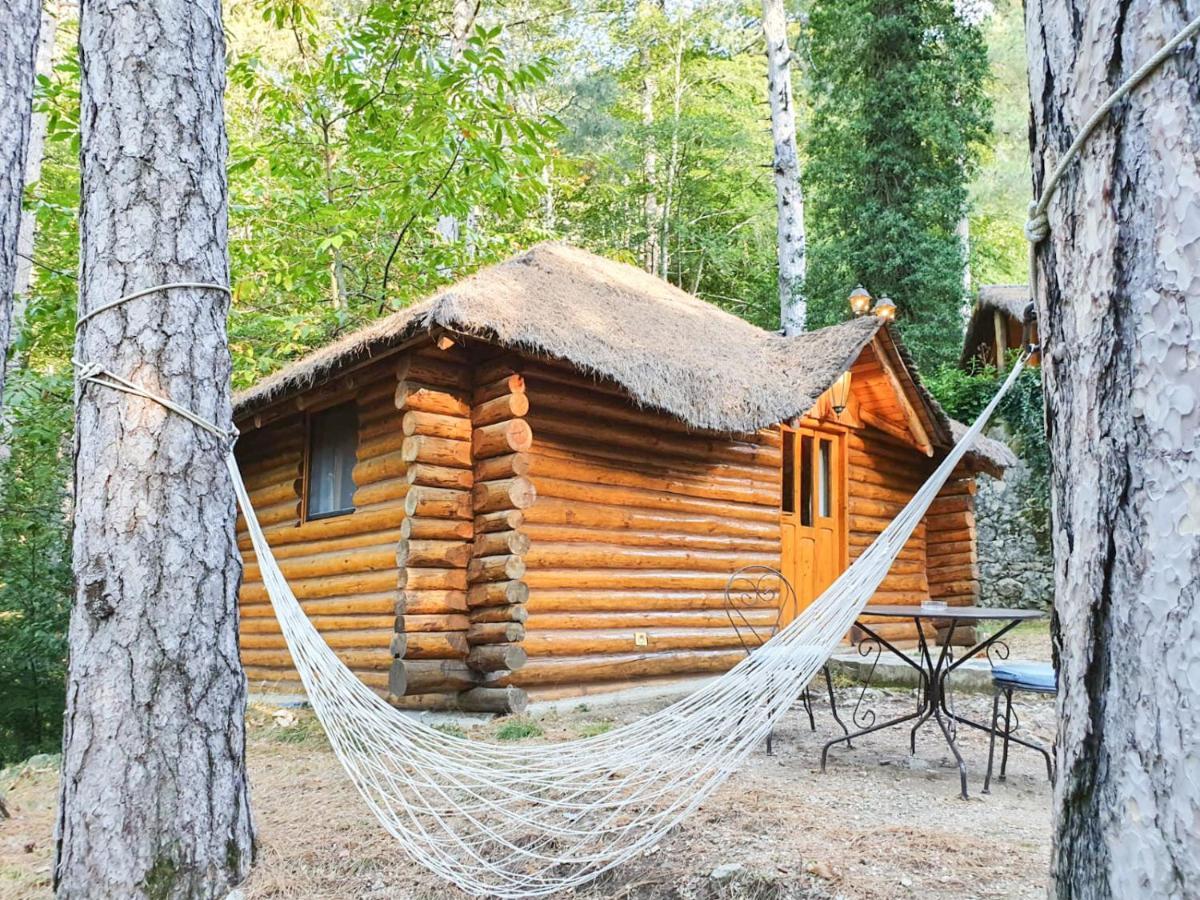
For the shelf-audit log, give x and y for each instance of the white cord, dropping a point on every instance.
(519, 822)
(93, 373)
(145, 292)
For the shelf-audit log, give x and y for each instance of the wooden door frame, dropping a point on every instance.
(818, 428)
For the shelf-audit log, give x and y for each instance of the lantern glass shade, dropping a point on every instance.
(860, 301)
(885, 309)
(839, 393)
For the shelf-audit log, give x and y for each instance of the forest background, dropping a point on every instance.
(381, 149)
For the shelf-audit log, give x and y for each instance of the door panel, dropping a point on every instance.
(813, 526)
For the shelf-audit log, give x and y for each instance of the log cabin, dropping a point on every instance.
(997, 326)
(537, 482)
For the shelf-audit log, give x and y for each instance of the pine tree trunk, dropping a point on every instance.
(1119, 299)
(789, 199)
(154, 796)
(19, 21)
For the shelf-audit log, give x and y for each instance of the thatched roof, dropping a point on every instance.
(1010, 299)
(988, 454)
(670, 350)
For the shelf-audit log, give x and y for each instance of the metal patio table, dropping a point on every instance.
(934, 697)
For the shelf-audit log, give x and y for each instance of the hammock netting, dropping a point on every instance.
(528, 821)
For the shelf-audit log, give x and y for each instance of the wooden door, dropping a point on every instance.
(813, 510)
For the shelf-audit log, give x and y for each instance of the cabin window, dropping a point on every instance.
(824, 477)
(332, 447)
(806, 480)
(787, 500)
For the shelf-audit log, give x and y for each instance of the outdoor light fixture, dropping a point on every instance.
(860, 301)
(839, 393)
(885, 309)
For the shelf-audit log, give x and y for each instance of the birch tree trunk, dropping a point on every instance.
(154, 796)
(44, 67)
(462, 24)
(650, 208)
(789, 198)
(19, 21)
(1119, 299)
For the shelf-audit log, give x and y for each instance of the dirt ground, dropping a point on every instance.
(879, 824)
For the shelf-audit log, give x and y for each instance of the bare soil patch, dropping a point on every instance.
(879, 824)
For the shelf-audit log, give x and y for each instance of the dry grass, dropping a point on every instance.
(879, 824)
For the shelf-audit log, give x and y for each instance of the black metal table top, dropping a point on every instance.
(962, 613)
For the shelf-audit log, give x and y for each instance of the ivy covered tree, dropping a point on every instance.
(900, 113)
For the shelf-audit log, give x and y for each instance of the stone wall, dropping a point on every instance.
(1015, 568)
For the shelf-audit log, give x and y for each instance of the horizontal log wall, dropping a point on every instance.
(342, 569)
(951, 548)
(519, 527)
(637, 524)
(884, 474)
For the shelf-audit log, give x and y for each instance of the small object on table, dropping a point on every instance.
(933, 700)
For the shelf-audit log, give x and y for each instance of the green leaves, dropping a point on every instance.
(35, 572)
(900, 115)
(366, 140)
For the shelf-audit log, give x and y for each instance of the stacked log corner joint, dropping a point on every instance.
(460, 610)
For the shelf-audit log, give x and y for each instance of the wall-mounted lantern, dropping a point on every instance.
(839, 393)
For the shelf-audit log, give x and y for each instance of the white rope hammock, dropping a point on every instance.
(516, 822)
(528, 821)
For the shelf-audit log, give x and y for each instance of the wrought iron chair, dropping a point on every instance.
(752, 591)
(1034, 678)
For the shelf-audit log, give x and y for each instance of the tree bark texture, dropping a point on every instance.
(19, 23)
(154, 796)
(1119, 301)
(789, 198)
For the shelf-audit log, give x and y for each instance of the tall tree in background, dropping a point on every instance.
(154, 796)
(789, 198)
(462, 21)
(899, 113)
(651, 208)
(19, 23)
(1118, 282)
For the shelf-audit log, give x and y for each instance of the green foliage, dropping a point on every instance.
(899, 114)
(1000, 189)
(35, 565)
(519, 730)
(350, 137)
(1021, 414)
(711, 144)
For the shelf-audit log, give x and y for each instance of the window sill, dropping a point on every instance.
(329, 514)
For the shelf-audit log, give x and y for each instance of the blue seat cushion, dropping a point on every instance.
(1028, 676)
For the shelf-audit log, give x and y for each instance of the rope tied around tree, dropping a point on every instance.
(1037, 227)
(87, 372)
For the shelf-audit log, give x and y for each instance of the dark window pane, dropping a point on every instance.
(333, 444)
(788, 496)
(806, 480)
(825, 491)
